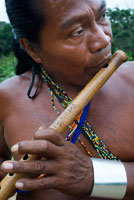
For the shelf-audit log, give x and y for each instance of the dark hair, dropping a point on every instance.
(27, 18)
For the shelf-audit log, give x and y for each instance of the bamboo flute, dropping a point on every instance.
(7, 185)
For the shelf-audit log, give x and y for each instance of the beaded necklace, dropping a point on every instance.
(61, 96)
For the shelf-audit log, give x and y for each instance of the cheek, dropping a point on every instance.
(108, 30)
(74, 55)
(66, 57)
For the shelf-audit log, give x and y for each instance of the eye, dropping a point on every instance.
(102, 19)
(104, 16)
(78, 32)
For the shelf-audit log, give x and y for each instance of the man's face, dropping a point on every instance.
(76, 42)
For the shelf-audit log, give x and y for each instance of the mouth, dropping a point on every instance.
(99, 66)
(102, 64)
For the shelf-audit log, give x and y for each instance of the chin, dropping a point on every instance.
(84, 82)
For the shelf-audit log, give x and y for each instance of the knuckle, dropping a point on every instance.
(20, 166)
(39, 146)
(57, 136)
(42, 184)
(37, 135)
(38, 167)
(47, 146)
(40, 133)
(21, 146)
(48, 183)
(54, 133)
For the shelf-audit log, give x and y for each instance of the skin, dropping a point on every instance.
(72, 52)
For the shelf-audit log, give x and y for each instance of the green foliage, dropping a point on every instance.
(7, 66)
(122, 22)
(6, 37)
(130, 56)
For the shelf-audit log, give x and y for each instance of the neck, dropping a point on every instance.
(71, 90)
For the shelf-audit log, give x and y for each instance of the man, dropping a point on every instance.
(75, 44)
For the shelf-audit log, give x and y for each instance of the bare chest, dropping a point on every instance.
(112, 123)
(114, 126)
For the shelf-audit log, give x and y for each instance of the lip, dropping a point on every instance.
(93, 69)
(102, 64)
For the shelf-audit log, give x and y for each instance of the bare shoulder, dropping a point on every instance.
(8, 89)
(14, 85)
(121, 85)
(11, 89)
(126, 72)
(124, 79)
(124, 84)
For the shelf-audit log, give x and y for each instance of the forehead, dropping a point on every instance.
(58, 10)
(66, 4)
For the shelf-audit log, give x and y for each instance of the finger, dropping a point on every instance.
(50, 135)
(37, 184)
(30, 167)
(37, 147)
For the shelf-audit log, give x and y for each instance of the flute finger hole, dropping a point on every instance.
(11, 174)
(25, 157)
(106, 65)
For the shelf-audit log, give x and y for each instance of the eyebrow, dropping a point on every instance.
(102, 6)
(73, 20)
(70, 22)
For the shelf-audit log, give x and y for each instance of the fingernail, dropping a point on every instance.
(7, 166)
(19, 185)
(41, 128)
(15, 148)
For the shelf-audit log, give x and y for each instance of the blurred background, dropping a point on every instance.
(121, 14)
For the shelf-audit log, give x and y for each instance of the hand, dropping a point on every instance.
(68, 169)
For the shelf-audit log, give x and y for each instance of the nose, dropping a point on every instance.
(98, 40)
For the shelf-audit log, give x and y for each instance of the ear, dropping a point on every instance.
(30, 50)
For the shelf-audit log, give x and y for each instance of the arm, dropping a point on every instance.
(5, 154)
(129, 166)
(126, 73)
(62, 164)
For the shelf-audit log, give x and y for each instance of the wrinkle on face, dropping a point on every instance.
(71, 9)
(64, 55)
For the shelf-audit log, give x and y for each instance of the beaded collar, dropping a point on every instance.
(61, 96)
